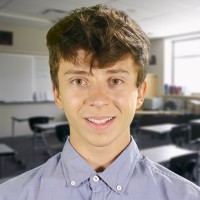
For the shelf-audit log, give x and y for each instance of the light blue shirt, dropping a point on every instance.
(67, 176)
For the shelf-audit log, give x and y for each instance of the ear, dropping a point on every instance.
(57, 97)
(141, 94)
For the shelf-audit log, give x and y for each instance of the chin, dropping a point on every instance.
(102, 141)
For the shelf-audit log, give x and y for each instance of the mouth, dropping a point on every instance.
(100, 122)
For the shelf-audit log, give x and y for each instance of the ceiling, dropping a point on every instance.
(158, 18)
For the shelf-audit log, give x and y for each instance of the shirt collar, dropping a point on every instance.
(118, 174)
(120, 171)
(75, 168)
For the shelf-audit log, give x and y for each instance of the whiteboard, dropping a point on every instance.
(42, 80)
(15, 77)
(24, 78)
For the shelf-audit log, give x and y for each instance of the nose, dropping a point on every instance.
(98, 96)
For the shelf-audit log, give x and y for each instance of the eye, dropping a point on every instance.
(79, 82)
(116, 81)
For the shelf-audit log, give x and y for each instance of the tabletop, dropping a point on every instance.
(6, 150)
(195, 121)
(19, 119)
(159, 128)
(157, 112)
(164, 153)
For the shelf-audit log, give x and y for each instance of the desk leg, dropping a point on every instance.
(1, 166)
(189, 137)
(13, 144)
(13, 132)
(47, 148)
(168, 137)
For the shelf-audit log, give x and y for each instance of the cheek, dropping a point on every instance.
(132, 102)
(127, 101)
(72, 102)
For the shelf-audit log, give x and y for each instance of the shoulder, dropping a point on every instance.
(24, 183)
(167, 181)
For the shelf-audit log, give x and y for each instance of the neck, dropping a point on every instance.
(100, 157)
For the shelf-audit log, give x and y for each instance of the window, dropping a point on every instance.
(186, 64)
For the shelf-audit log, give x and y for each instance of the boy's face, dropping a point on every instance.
(100, 105)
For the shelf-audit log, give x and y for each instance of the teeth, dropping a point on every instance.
(102, 121)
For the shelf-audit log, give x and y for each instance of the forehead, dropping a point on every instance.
(86, 60)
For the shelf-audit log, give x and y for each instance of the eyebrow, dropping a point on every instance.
(77, 72)
(116, 71)
(82, 72)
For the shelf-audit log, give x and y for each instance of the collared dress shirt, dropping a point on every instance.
(67, 176)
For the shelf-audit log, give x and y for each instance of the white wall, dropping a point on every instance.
(25, 40)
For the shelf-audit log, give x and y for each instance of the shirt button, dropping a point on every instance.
(73, 182)
(95, 178)
(119, 187)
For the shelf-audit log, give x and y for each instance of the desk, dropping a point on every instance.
(5, 150)
(29, 120)
(195, 121)
(48, 127)
(162, 154)
(157, 112)
(195, 134)
(159, 129)
(16, 119)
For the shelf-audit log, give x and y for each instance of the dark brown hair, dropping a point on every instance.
(106, 33)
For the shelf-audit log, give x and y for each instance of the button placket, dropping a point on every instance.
(95, 183)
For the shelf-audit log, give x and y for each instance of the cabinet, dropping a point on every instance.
(151, 80)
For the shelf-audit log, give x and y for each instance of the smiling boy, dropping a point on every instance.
(99, 105)
(98, 60)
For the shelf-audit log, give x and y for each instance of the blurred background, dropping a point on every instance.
(172, 99)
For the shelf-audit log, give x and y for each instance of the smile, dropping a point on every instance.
(99, 121)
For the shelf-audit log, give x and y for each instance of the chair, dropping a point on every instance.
(37, 132)
(62, 132)
(169, 105)
(180, 135)
(185, 165)
(195, 136)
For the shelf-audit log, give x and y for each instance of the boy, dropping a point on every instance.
(98, 58)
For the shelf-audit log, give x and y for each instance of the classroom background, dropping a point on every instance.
(168, 122)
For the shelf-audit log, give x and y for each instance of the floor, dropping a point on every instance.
(25, 158)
